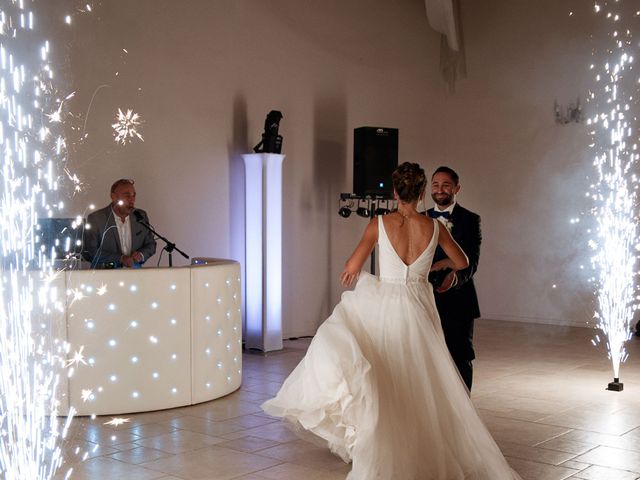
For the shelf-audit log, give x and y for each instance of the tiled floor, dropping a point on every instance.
(540, 389)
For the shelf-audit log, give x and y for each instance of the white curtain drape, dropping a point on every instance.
(441, 16)
(444, 18)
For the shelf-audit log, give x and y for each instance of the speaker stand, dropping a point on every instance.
(373, 252)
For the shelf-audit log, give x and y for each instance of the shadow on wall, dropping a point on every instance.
(329, 169)
(238, 146)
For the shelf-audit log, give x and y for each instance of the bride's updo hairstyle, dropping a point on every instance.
(409, 181)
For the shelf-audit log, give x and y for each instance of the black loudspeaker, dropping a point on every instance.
(375, 157)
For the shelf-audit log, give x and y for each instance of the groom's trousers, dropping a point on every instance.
(458, 334)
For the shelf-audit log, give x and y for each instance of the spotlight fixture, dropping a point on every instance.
(344, 212)
(380, 210)
(271, 142)
(345, 207)
(366, 206)
(364, 211)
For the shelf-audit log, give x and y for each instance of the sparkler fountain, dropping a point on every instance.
(31, 359)
(614, 132)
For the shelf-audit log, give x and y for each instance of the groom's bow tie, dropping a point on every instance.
(436, 213)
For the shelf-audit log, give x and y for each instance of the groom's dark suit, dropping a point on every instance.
(458, 307)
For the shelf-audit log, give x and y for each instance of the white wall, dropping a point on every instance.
(521, 171)
(204, 74)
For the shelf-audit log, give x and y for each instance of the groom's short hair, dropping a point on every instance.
(449, 171)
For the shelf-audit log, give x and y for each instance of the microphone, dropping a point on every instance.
(138, 215)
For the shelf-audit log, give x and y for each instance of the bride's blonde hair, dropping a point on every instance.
(409, 181)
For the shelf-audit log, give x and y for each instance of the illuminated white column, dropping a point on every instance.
(263, 187)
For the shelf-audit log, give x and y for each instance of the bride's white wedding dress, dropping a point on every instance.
(378, 386)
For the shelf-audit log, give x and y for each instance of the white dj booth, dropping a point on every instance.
(150, 338)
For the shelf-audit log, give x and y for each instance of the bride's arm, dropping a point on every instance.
(456, 255)
(360, 254)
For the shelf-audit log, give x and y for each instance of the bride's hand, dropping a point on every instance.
(449, 281)
(441, 265)
(347, 278)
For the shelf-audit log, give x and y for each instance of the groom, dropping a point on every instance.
(455, 294)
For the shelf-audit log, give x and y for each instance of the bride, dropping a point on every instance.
(377, 385)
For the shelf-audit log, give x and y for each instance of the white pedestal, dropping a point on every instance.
(263, 214)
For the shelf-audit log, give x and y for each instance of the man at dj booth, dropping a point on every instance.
(116, 236)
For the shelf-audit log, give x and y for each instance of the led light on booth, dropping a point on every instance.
(87, 394)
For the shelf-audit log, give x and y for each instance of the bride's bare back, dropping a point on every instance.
(410, 235)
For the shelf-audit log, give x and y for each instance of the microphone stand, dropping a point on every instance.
(169, 246)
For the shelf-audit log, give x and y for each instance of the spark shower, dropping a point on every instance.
(31, 151)
(614, 133)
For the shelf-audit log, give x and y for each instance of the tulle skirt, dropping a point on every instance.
(378, 387)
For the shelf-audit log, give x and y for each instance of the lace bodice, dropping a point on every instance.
(393, 269)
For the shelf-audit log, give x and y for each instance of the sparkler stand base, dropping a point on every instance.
(616, 385)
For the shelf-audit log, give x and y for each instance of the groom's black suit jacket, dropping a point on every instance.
(460, 303)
